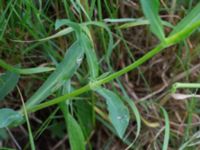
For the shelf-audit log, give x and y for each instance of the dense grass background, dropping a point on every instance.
(122, 32)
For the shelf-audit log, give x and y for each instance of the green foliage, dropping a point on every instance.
(9, 117)
(64, 71)
(76, 138)
(85, 115)
(192, 17)
(151, 10)
(81, 76)
(118, 112)
(8, 81)
(167, 129)
(26, 71)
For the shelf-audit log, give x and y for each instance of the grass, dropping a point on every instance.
(99, 74)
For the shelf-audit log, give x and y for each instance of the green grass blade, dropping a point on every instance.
(56, 35)
(25, 71)
(151, 10)
(191, 18)
(133, 22)
(61, 22)
(64, 70)
(31, 139)
(118, 112)
(137, 116)
(167, 130)
(8, 81)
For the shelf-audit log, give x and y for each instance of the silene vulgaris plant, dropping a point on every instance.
(59, 82)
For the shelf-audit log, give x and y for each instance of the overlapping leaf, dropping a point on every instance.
(118, 112)
(64, 70)
(189, 20)
(8, 81)
(90, 56)
(9, 117)
(76, 138)
(151, 9)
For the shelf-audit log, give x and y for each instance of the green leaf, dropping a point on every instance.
(8, 81)
(108, 31)
(9, 117)
(151, 10)
(137, 116)
(75, 26)
(85, 116)
(25, 71)
(58, 34)
(132, 22)
(90, 55)
(75, 133)
(118, 112)
(167, 130)
(191, 18)
(141, 22)
(64, 71)
(76, 138)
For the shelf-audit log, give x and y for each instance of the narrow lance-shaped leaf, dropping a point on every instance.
(90, 55)
(86, 43)
(151, 10)
(64, 70)
(9, 117)
(75, 133)
(76, 138)
(8, 81)
(26, 71)
(137, 115)
(61, 22)
(167, 129)
(191, 18)
(118, 112)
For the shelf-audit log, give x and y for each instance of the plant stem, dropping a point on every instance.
(184, 85)
(95, 84)
(168, 42)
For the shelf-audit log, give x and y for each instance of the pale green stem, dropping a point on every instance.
(168, 42)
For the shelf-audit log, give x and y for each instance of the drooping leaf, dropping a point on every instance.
(137, 116)
(75, 133)
(8, 81)
(190, 19)
(9, 117)
(108, 31)
(151, 10)
(76, 138)
(61, 22)
(133, 22)
(25, 71)
(64, 71)
(90, 55)
(118, 112)
(86, 43)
